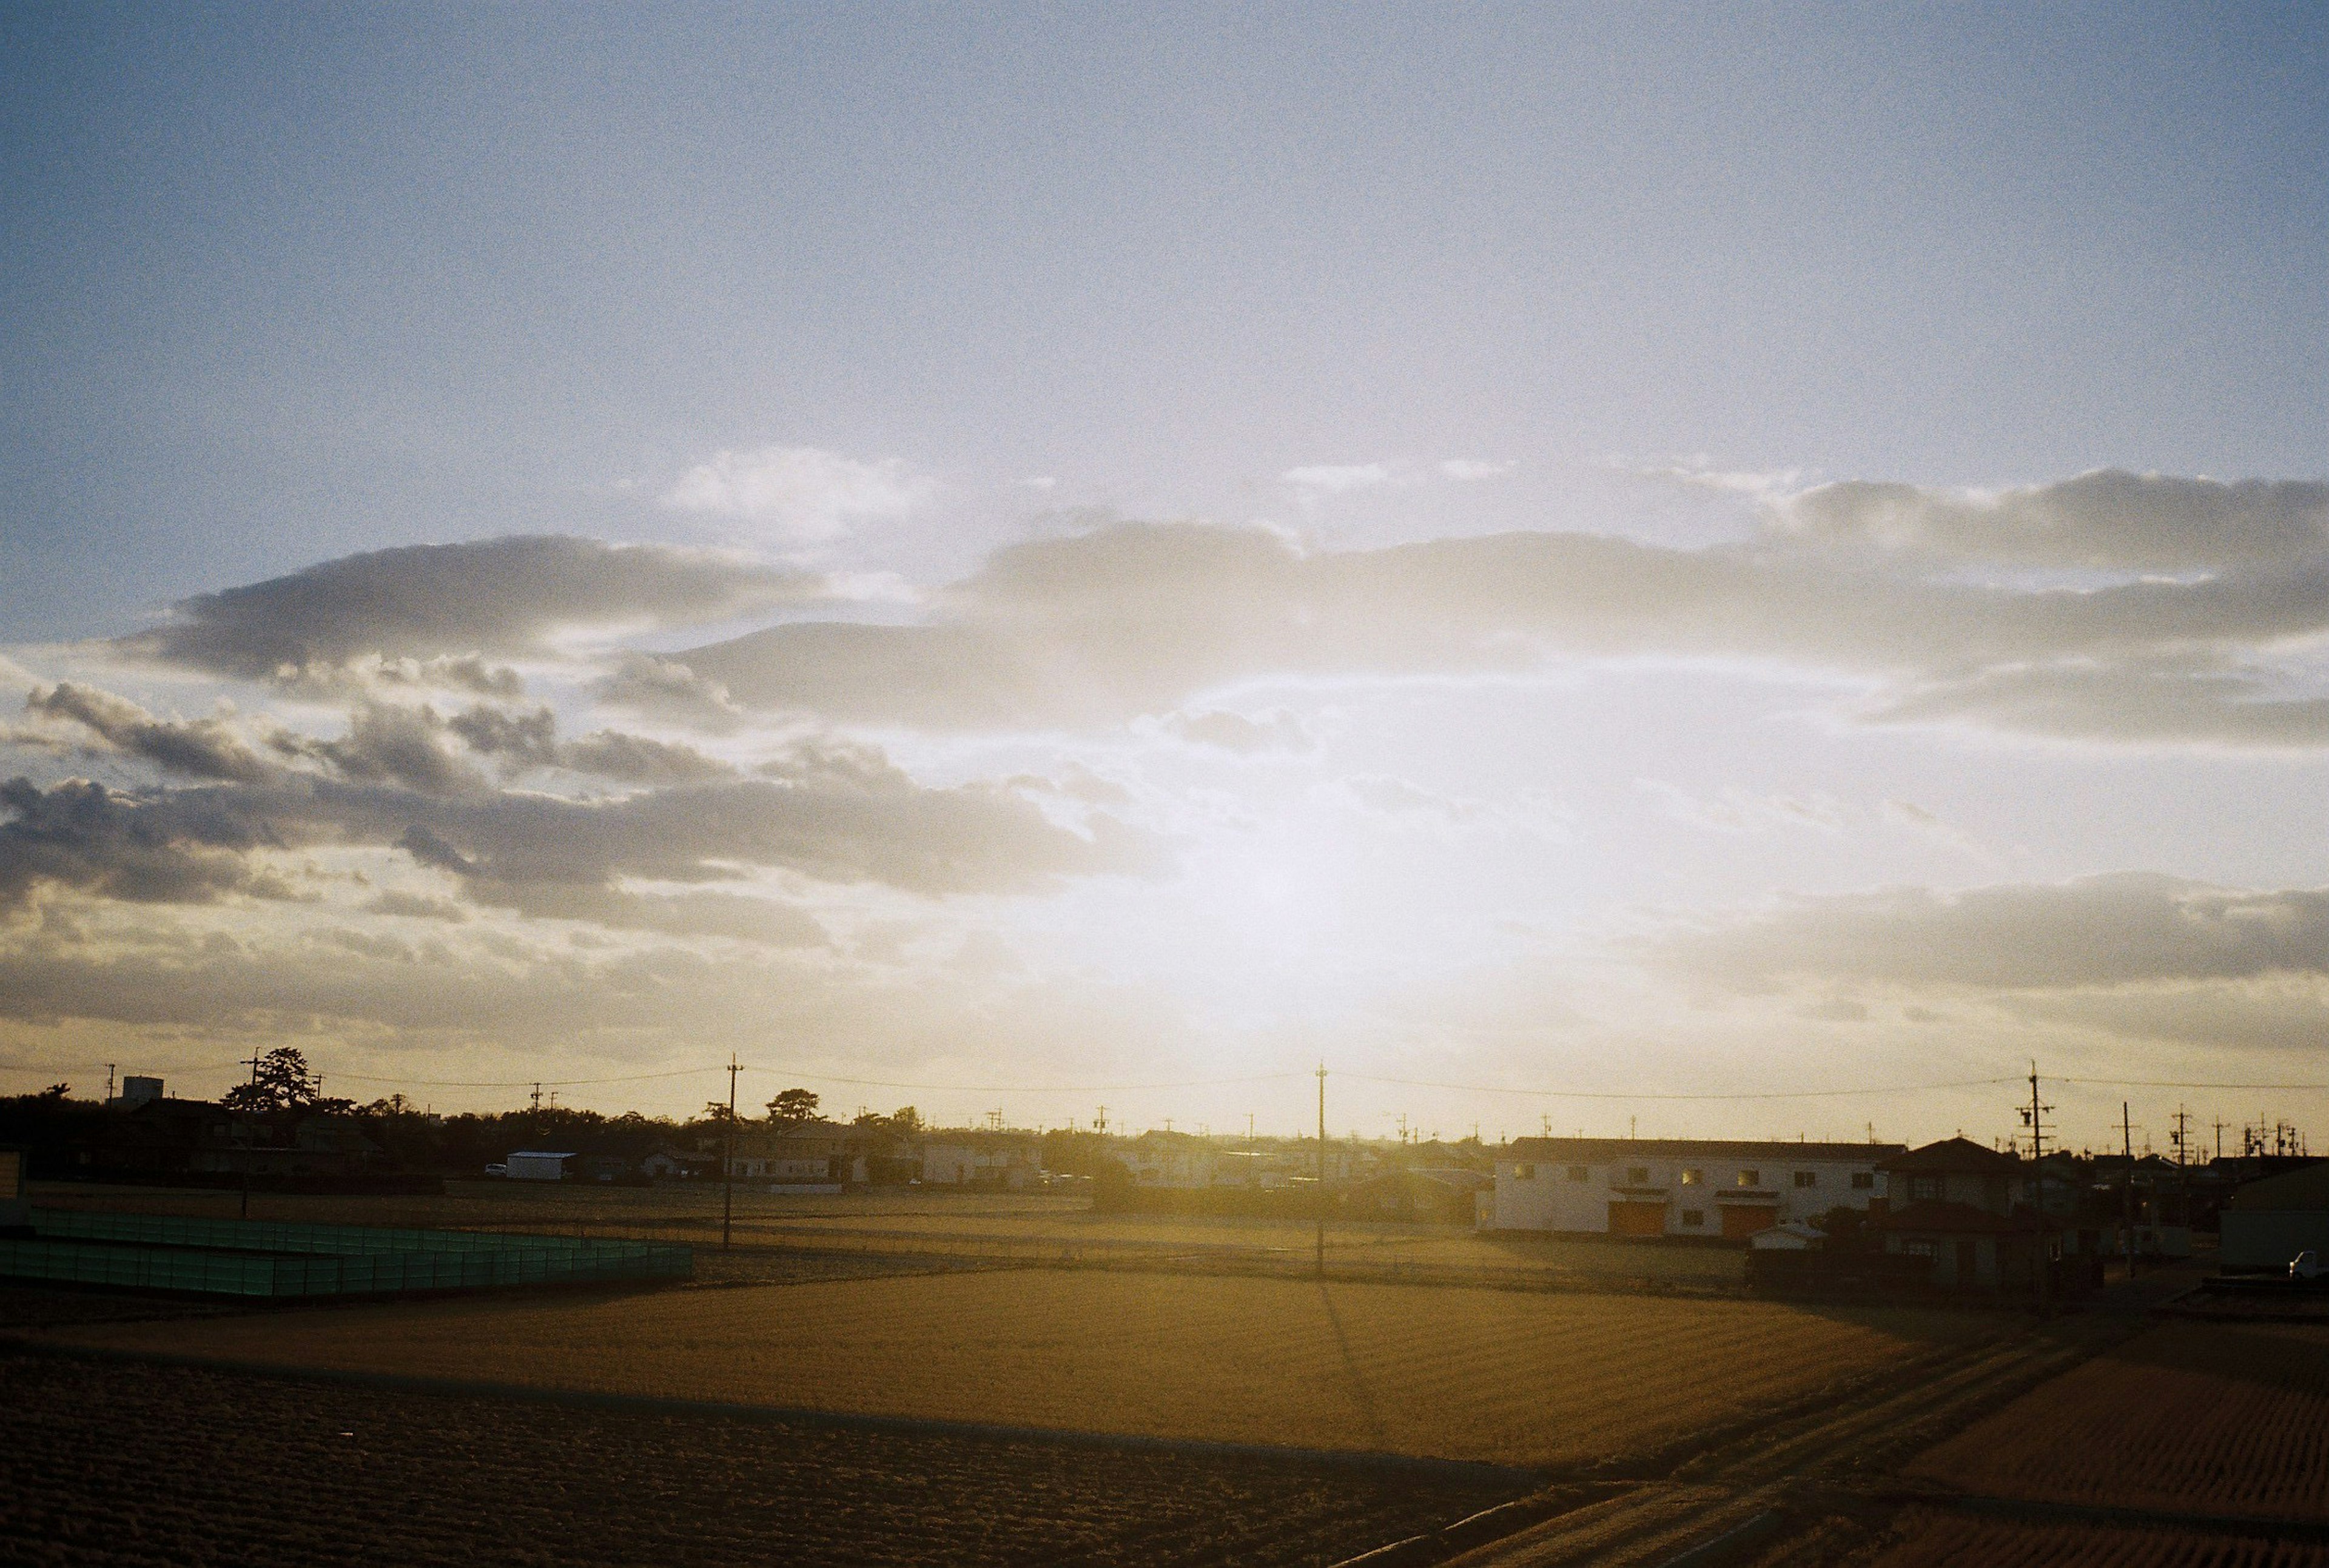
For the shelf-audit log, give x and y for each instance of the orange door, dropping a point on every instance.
(1635, 1218)
(1742, 1220)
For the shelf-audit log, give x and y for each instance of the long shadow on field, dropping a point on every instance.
(1359, 1393)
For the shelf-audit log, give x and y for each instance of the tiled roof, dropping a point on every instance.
(1623, 1151)
(1961, 1155)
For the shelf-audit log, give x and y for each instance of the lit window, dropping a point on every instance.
(1807, 1179)
(1580, 1173)
(1524, 1172)
(1863, 1181)
(1693, 1177)
(1750, 1178)
(1694, 1218)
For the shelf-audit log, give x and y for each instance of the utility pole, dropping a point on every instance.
(1248, 1129)
(1099, 1122)
(2126, 1132)
(108, 1083)
(1321, 1169)
(2034, 1118)
(727, 1162)
(244, 1212)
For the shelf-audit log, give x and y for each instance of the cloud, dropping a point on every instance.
(1139, 618)
(1321, 479)
(417, 907)
(802, 491)
(667, 689)
(437, 605)
(1736, 810)
(2123, 929)
(1280, 731)
(1468, 470)
(81, 836)
(2108, 519)
(196, 749)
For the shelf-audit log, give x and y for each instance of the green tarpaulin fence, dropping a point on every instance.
(273, 1258)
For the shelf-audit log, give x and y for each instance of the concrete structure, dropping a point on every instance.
(537, 1165)
(1678, 1187)
(2267, 1223)
(138, 1091)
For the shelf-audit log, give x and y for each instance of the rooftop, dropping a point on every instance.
(1619, 1150)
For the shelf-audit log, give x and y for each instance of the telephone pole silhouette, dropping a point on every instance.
(728, 1161)
(1320, 1256)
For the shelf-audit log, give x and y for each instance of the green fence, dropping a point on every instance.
(272, 1258)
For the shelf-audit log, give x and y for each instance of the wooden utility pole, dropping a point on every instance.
(1321, 1262)
(728, 1161)
(2126, 1134)
(2036, 1118)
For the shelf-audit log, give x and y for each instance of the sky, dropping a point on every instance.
(1567, 563)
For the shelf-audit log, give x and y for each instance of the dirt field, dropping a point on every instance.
(2196, 1417)
(1496, 1375)
(982, 1227)
(1939, 1540)
(125, 1465)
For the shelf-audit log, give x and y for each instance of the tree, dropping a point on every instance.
(280, 1082)
(792, 1107)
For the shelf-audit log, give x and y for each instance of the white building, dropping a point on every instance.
(1677, 1187)
(537, 1165)
(1012, 1163)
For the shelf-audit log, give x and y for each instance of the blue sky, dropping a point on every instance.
(288, 282)
(1712, 536)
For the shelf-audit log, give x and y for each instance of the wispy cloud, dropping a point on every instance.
(801, 492)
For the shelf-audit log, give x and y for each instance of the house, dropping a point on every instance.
(667, 1164)
(1436, 1195)
(2267, 1223)
(1974, 1213)
(981, 1160)
(313, 1146)
(1678, 1187)
(798, 1153)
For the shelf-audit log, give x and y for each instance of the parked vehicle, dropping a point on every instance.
(2307, 1266)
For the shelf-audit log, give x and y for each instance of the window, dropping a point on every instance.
(1523, 1173)
(1924, 1189)
(1863, 1181)
(1750, 1178)
(1580, 1173)
(1694, 1218)
(1638, 1175)
(1807, 1179)
(1693, 1177)
(1919, 1249)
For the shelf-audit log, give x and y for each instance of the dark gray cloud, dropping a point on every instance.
(195, 749)
(424, 603)
(84, 837)
(834, 812)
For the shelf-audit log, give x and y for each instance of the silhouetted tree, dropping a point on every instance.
(793, 1106)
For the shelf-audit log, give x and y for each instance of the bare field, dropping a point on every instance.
(2206, 1418)
(1934, 1539)
(1494, 1376)
(119, 1465)
(993, 1227)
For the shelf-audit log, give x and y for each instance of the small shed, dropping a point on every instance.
(538, 1165)
(2267, 1223)
(1794, 1236)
